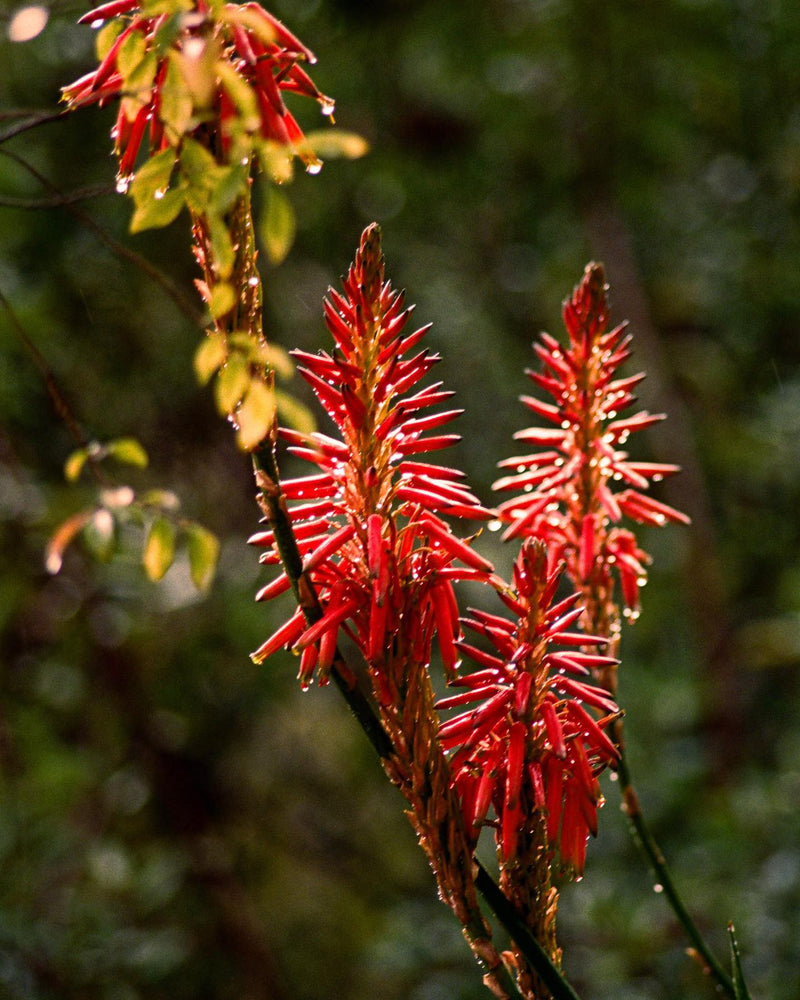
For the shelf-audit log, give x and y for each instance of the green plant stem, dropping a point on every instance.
(647, 842)
(267, 479)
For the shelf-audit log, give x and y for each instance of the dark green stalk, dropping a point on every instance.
(647, 842)
(267, 479)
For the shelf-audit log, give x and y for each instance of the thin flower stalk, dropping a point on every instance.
(531, 743)
(379, 558)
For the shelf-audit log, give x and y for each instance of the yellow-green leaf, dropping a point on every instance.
(159, 548)
(106, 37)
(242, 95)
(223, 299)
(210, 356)
(330, 143)
(203, 548)
(129, 451)
(158, 211)
(221, 245)
(75, 463)
(153, 176)
(232, 383)
(256, 415)
(176, 108)
(130, 54)
(294, 413)
(277, 224)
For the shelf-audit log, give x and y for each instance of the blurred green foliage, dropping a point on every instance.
(177, 822)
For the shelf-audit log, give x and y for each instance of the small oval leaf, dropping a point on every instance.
(203, 546)
(129, 451)
(159, 548)
(256, 415)
(277, 224)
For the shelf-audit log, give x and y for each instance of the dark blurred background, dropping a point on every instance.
(175, 822)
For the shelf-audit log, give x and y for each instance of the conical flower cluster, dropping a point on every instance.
(532, 742)
(368, 521)
(212, 69)
(575, 488)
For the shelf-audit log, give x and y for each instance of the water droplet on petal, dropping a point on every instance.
(159, 194)
(123, 183)
(494, 525)
(327, 106)
(314, 167)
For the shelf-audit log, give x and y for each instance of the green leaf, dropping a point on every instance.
(210, 356)
(154, 175)
(177, 108)
(203, 546)
(165, 499)
(333, 142)
(75, 463)
(232, 383)
(128, 451)
(242, 95)
(106, 37)
(152, 8)
(158, 211)
(275, 160)
(294, 413)
(256, 415)
(196, 162)
(739, 986)
(229, 184)
(277, 225)
(141, 77)
(130, 54)
(274, 357)
(159, 548)
(221, 245)
(223, 299)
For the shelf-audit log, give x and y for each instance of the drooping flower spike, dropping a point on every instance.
(532, 741)
(578, 483)
(185, 68)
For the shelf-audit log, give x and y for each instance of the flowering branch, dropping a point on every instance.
(570, 502)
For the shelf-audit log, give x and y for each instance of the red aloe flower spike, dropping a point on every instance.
(380, 561)
(541, 725)
(570, 497)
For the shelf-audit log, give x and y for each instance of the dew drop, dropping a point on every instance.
(97, 23)
(657, 477)
(614, 776)
(252, 282)
(494, 525)
(159, 194)
(123, 183)
(658, 887)
(327, 106)
(314, 167)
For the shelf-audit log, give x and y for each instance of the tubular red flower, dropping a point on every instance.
(253, 44)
